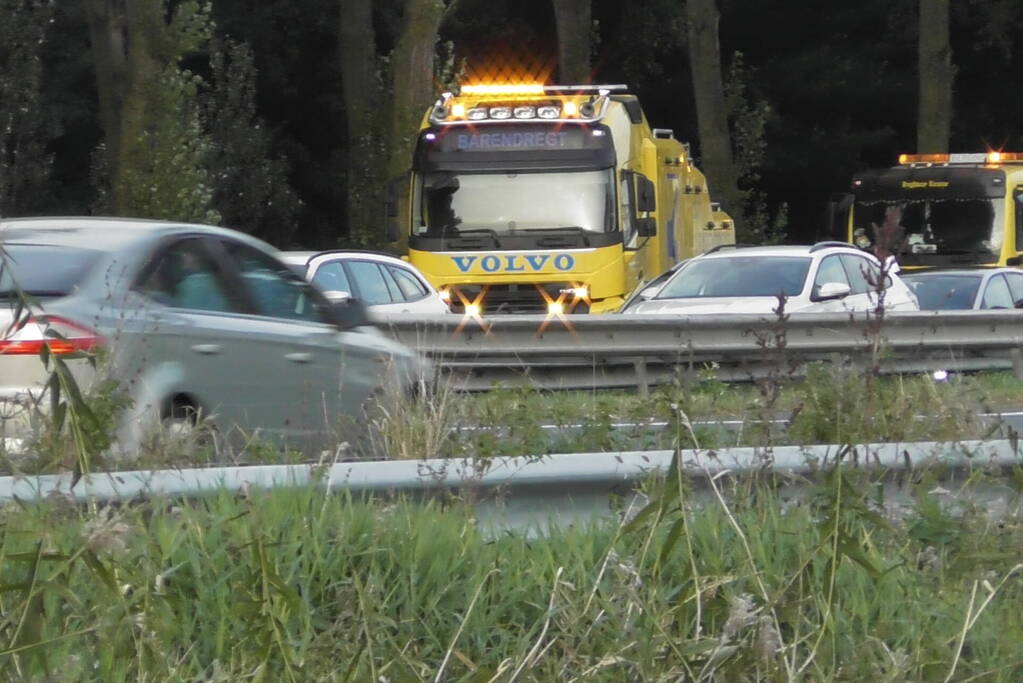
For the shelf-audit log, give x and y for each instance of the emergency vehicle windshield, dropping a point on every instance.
(507, 203)
(935, 226)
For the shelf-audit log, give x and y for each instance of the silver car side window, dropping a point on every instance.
(275, 290)
(184, 276)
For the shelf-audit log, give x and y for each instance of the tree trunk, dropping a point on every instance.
(412, 79)
(360, 90)
(573, 19)
(110, 59)
(412, 66)
(711, 114)
(934, 116)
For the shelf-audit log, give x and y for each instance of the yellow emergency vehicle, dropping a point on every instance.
(556, 199)
(952, 209)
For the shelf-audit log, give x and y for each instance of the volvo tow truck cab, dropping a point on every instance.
(548, 199)
(951, 209)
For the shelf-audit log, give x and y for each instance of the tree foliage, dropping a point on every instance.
(822, 90)
(161, 171)
(26, 127)
(251, 191)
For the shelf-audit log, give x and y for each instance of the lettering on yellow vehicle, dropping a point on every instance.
(920, 184)
(513, 263)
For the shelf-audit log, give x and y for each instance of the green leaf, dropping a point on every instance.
(100, 569)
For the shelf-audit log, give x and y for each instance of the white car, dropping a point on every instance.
(384, 283)
(826, 277)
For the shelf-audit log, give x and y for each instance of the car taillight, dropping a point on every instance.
(61, 335)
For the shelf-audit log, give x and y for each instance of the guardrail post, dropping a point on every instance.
(642, 382)
(1017, 362)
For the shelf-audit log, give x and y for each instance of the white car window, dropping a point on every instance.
(1015, 285)
(331, 277)
(860, 272)
(996, 294)
(411, 288)
(830, 270)
(373, 289)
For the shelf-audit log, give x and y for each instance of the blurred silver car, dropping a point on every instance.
(194, 320)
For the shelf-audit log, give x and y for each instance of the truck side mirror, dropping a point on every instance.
(396, 190)
(646, 227)
(646, 194)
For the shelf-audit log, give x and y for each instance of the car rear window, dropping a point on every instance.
(738, 276)
(43, 269)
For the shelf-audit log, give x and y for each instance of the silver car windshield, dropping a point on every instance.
(738, 276)
(507, 203)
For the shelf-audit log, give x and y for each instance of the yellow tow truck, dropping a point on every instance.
(548, 199)
(952, 209)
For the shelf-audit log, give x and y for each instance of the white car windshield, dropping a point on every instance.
(509, 202)
(738, 276)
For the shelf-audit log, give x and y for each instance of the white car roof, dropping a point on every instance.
(783, 250)
(303, 257)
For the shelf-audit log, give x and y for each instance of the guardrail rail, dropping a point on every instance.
(602, 351)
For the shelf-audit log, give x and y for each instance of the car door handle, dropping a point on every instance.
(206, 349)
(300, 357)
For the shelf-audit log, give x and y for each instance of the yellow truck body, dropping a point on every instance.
(527, 199)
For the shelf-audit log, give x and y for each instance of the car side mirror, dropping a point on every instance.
(350, 313)
(335, 296)
(832, 290)
(1019, 303)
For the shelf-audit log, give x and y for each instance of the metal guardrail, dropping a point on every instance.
(532, 492)
(603, 351)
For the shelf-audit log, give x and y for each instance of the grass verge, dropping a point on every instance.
(299, 585)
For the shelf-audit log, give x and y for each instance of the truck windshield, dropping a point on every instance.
(448, 204)
(941, 227)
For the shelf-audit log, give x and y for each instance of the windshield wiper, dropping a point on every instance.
(568, 229)
(476, 231)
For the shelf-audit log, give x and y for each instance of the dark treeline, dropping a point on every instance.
(284, 118)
